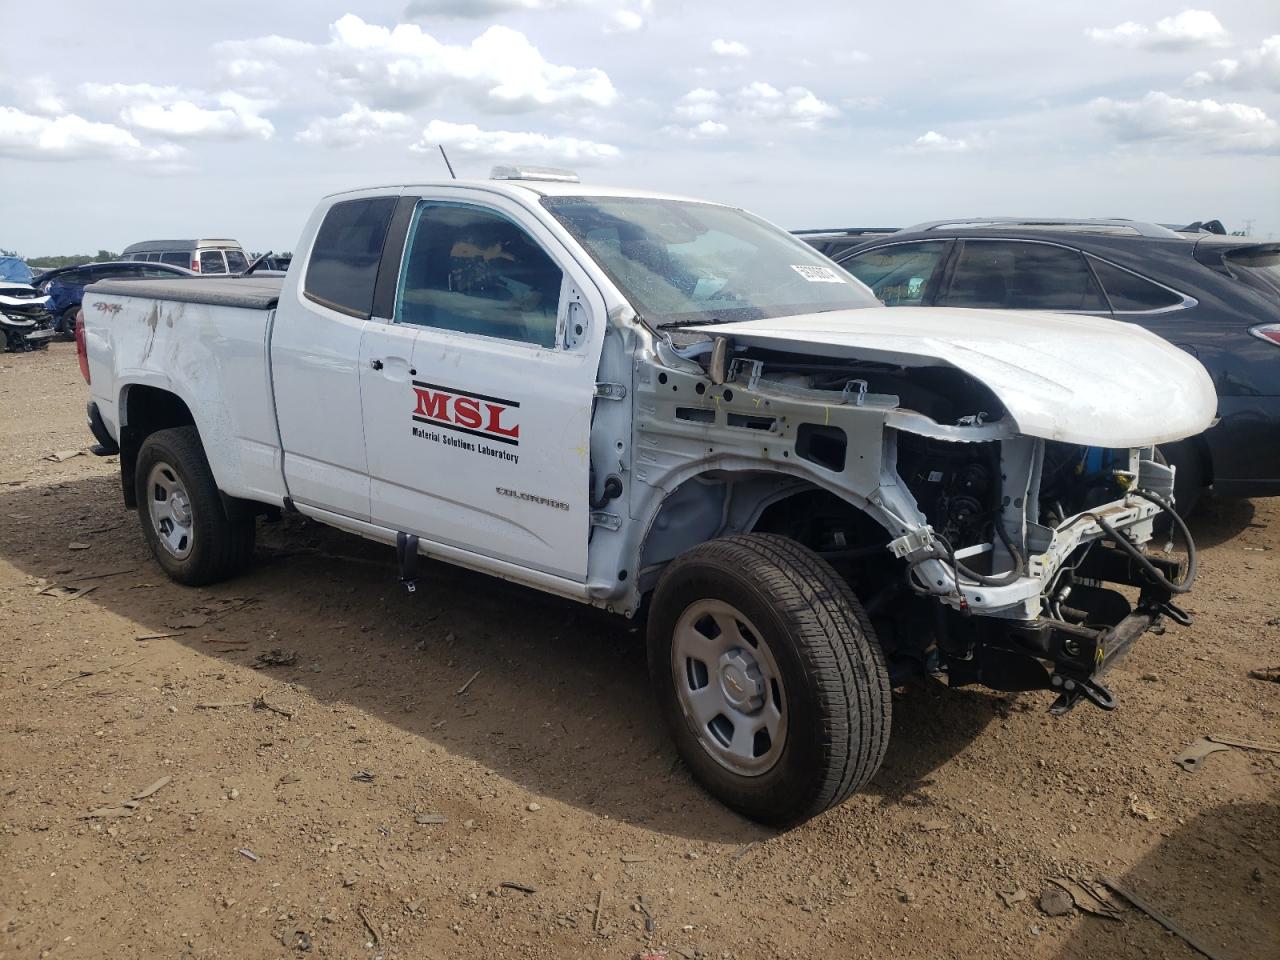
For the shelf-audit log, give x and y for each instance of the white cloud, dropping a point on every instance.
(624, 21)
(706, 130)
(358, 126)
(71, 137)
(40, 95)
(934, 142)
(730, 48)
(527, 146)
(235, 118)
(1258, 68)
(698, 104)
(481, 9)
(405, 67)
(132, 92)
(1190, 28)
(1203, 124)
(796, 105)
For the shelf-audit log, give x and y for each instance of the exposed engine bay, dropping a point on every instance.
(980, 554)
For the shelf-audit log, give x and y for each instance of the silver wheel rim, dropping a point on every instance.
(170, 510)
(729, 687)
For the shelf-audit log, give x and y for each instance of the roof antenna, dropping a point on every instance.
(446, 161)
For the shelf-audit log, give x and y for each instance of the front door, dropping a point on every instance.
(477, 405)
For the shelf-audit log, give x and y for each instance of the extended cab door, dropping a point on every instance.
(478, 388)
(315, 357)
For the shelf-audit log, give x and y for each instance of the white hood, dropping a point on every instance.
(1073, 378)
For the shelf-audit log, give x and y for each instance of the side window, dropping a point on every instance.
(898, 275)
(235, 261)
(474, 271)
(156, 273)
(343, 268)
(1022, 276)
(1130, 292)
(178, 259)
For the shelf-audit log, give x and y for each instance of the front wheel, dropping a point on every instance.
(194, 534)
(67, 323)
(770, 676)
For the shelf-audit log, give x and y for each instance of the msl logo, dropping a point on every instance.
(460, 410)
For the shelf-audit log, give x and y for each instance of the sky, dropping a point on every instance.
(128, 122)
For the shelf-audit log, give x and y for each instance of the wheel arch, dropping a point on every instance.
(144, 409)
(724, 499)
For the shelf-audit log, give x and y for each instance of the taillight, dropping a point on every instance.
(82, 353)
(1267, 331)
(195, 265)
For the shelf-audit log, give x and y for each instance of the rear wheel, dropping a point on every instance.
(769, 675)
(194, 534)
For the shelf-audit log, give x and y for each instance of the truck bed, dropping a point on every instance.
(253, 293)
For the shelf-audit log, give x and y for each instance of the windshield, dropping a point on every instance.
(680, 262)
(11, 268)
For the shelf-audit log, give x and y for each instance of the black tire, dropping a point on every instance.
(1188, 481)
(67, 325)
(221, 533)
(834, 682)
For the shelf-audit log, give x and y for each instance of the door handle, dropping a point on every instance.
(376, 364)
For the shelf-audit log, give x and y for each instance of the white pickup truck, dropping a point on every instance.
(659, 405)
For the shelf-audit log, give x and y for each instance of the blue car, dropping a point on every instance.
(65, 285)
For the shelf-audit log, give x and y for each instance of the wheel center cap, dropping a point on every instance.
(740, 681)
(180, 508)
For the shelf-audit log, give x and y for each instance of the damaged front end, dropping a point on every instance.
(981, 553)
(25, 321)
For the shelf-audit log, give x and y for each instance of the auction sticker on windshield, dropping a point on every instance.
(816, 274)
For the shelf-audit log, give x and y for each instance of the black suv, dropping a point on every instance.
(1217, 297)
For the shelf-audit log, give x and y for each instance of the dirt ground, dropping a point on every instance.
(477, 771)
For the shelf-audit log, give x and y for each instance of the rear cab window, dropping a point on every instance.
(236, 261)
(342, 271)
(898, 275)
(1020, 275)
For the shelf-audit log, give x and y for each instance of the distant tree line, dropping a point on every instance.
(72, 260)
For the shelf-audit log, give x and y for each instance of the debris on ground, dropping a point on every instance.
(1055, 902)
(1010, 897)
(77, 545)
(60, 456)
(1270, 674)
(430, 818)
(62, 591)
(248, 854)
(260, 703)
(466, 686)
(1192, 758)
(517, 885)
(1141, 809)
(1155, 914)
(223, 704)
(1089, 897)
(364, 776)
(275, 658)
(151, 788)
